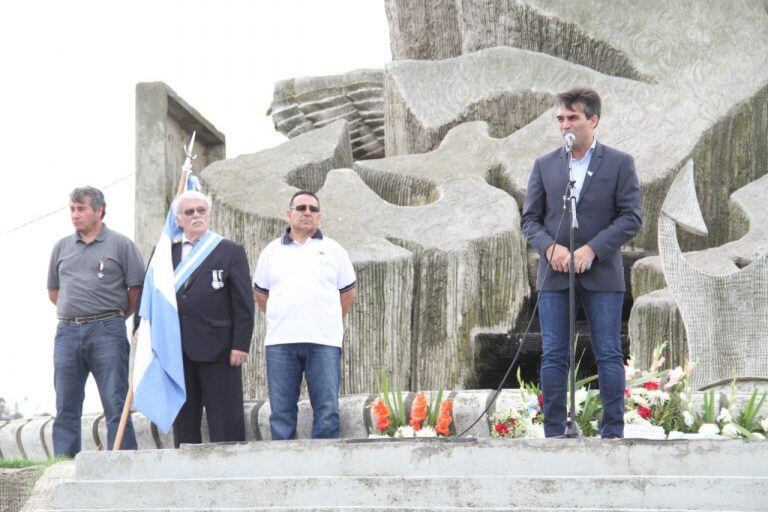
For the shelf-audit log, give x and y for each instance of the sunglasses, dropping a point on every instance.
(303, 208)
(201, 210)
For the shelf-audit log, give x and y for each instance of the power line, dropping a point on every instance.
(57, 210)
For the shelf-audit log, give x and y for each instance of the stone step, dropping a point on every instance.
(579, 492)
(390, 509)
(432, 457)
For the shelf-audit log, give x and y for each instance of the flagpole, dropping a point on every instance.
(186, 168)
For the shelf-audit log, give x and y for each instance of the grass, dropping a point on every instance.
(25, 463)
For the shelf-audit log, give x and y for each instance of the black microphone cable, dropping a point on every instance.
(521, 340)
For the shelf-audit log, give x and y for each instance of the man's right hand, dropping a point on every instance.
(558, 257)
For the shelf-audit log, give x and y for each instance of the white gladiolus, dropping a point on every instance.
(709, 429)
(406, 431)
(426, 432)
(688, 418)
(730, 430)
(657, 397)
(725, 415)
(764, 424)
(633, 418)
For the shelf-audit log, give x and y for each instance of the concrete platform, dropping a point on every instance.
(426, 474)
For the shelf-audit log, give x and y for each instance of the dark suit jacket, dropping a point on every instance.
(609, 211)
(215, 321)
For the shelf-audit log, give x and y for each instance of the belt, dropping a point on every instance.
(95, 318)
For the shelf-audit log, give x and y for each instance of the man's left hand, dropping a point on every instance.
(583, 257)
(237, 357)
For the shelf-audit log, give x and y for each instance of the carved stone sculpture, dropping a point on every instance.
(725, 316)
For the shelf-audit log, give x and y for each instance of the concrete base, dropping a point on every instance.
(426, 474)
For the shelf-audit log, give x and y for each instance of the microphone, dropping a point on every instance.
(569, 139)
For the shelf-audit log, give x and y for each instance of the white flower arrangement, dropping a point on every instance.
(633, 418)
(730, 431)
(688, 418)
(426, 432)
(724, 416)
(405, 431)
(709, 429)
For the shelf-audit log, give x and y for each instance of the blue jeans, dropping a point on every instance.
(604, 316)
(101, 348)
(320, 364)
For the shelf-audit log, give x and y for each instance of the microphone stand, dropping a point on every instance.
(569, 201)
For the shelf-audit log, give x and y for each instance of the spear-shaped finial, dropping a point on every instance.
(188, 152)
(187, 167)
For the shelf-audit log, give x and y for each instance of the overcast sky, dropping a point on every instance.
(67, 106)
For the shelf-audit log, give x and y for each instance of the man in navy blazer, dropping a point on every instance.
(216, 312)
(609, 213)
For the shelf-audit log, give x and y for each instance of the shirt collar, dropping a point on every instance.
(589, 151)
(97, 238)
(287, 240)
(185, 239)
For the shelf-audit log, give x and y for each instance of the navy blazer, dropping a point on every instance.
(216, 320)
(609, 211)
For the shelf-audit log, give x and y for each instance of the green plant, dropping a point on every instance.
(748, 417)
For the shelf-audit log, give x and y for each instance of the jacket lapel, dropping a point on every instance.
(594, 165)
(176, 254)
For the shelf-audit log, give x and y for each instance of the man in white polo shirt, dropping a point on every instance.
(305, 283)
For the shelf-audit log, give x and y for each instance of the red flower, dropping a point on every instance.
(512, 422)
(502, 429)
(418, 411)
(644, 412)
(444, 418)
(651, 385)
(541, 401)
(627, 393)
(382, 415)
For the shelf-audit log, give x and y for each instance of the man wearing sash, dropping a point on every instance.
(216, 311)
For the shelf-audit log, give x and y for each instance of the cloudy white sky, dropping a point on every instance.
(67, 119)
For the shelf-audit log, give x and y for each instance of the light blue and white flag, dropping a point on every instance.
(161, 392)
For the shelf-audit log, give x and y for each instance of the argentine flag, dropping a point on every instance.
(161, 392)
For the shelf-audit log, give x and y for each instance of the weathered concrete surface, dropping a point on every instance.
(164, 124)
(440, 29)
(305, 103)
(470, 273)
(709, 106)
(435, 457)
(32, 439)
(655, 317)
(10, 439)
(703, 475)
(41, 497)
(726, 317)
(480, 491)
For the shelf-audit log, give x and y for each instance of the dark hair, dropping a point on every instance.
(96, 198)
(587, 98)
(303, 193)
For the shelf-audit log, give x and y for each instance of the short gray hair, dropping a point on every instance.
(95, 195)
(187, 195)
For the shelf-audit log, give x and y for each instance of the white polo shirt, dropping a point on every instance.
(303, 282)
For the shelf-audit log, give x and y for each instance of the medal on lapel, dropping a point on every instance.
(216, 281)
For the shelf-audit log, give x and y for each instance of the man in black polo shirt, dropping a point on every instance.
(94, 279)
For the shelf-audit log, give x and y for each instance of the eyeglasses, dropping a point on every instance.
(303, 208)
(201, 210)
